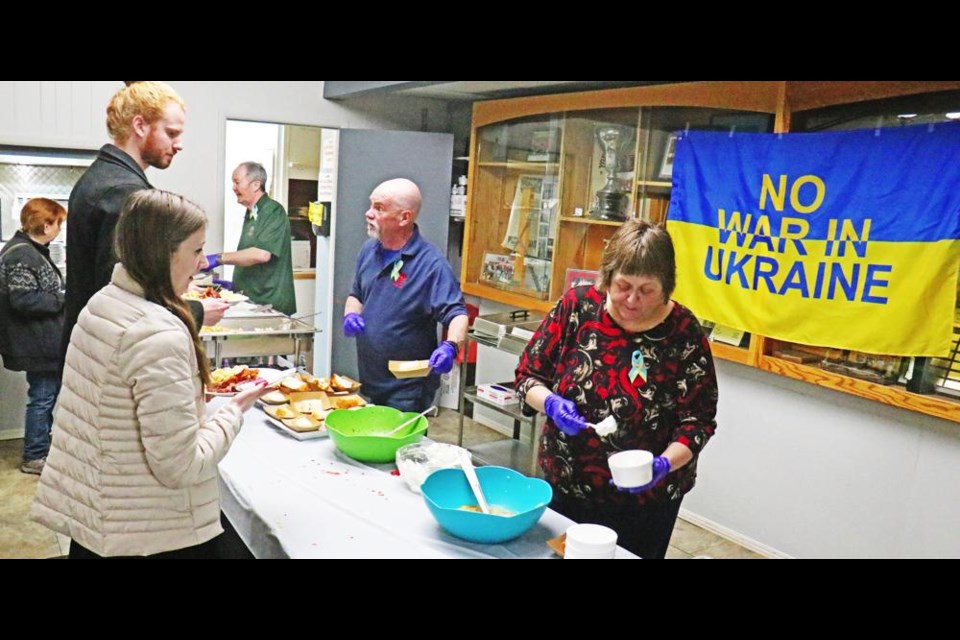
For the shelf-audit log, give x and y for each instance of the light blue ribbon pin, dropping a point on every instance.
(639, 367)
(396, 270)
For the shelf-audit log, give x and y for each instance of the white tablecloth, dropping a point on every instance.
(304, 499)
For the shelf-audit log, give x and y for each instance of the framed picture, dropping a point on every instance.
(536, 274)
(497, 268)
(544, 144)
(578, 277)
(666, 167)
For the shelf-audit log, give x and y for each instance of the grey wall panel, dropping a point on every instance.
(367, 158)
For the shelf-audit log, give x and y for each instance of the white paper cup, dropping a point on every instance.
(633, 468)
(590, 542)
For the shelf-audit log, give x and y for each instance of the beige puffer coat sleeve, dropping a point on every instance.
(162, 370)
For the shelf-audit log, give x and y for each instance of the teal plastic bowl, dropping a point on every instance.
(353, 432)
(446, 490)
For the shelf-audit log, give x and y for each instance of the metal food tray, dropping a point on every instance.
(250, 336)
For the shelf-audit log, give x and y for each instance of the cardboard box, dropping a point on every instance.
(497, 394)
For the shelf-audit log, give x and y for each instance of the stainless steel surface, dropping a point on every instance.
(507, 453)
(499, 324)
(259, 335)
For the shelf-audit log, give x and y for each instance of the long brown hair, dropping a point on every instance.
(152, 225)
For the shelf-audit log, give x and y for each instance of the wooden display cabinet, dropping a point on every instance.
(538, 166)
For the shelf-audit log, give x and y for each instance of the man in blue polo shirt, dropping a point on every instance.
(403, 288)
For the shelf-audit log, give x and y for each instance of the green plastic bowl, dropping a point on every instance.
(353, 431)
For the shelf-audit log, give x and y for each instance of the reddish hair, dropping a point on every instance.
(39, 212)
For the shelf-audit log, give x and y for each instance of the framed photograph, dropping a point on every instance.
(544, 144)
(536, 274)
(578, 277)
(666, 167)
(497, 268)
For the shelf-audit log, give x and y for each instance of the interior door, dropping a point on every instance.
(367, 158)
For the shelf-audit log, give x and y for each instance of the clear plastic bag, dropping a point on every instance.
(418, 460)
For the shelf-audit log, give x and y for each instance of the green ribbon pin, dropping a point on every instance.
(639, 367)
(396, 270)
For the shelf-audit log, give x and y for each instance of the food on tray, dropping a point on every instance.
(320, 384)
(274, 397)
(347, 402)
(314, 407)
(343, 383)
(226, 380)
(216, 329)
(200, 294)
(303, 423)
(293, 384)
(281, 412)
(211, 292)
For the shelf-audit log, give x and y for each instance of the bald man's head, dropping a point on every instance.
(394, 206)
(403, 193)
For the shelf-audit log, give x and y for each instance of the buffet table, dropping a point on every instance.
(289, 498)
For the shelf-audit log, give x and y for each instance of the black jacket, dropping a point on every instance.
(31, 306)
(94, 208)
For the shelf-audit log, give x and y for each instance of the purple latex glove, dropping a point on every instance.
(224, 284)
(443, 357)
(661, 467)
(353, 325)
(564, 414)
(213, 261)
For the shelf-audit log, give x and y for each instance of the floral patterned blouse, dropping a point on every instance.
(659, 384)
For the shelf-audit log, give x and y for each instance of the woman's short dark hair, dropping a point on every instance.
(639, 248)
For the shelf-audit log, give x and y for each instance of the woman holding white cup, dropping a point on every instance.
(622, 348)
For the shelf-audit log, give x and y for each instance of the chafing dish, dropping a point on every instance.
(249, 336)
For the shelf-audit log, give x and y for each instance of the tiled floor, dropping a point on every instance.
(22, 538)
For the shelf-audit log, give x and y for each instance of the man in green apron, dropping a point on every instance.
(264, 267)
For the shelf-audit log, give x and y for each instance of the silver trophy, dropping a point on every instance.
(612, 199)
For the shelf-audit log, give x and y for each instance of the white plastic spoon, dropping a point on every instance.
(466, 463)
(403, 424)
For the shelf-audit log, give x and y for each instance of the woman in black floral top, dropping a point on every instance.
(622, 348)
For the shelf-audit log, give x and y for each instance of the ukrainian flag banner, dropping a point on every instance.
(846, 239)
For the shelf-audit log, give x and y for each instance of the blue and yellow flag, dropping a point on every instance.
(844, 239)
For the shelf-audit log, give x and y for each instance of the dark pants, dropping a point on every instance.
(643, 530)
(44, 386)
(416, 403)
(226, 546)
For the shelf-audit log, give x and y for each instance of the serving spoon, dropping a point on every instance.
(466, 463)
(406, 422)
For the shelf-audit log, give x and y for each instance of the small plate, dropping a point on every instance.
(233, 298)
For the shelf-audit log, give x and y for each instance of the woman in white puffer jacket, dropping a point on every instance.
(132, 469)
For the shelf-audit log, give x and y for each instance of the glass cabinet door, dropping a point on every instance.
(516, 205)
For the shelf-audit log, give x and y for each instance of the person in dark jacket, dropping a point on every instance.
(31, 320)
(145, 121)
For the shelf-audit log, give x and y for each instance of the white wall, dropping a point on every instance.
(815, 473)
